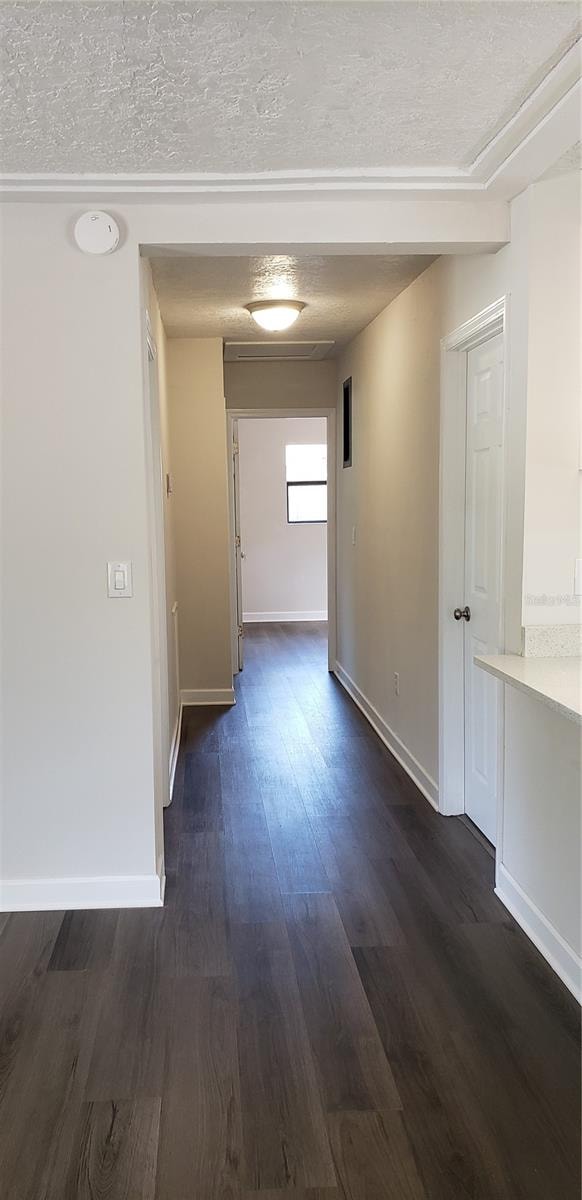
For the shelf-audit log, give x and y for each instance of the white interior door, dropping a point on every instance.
(481, 616)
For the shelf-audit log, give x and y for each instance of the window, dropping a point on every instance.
(347, 422)
(306, 472)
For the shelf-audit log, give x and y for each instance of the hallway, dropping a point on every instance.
(332, 1005)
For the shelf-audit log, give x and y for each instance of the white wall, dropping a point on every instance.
(200, 511)
(77, 743)
(540, 271)
(468, 285)
(78, 795)
(538, 866)
(552, 539)
(285, 566)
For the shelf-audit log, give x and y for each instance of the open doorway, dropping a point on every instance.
(282, 505)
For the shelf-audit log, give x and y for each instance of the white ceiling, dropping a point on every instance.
(253, 87)
(206, 297)
(570, 161)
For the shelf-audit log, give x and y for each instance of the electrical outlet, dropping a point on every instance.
(396, 683)
(353, 535)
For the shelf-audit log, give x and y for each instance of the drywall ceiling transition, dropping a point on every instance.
(253, 87)
(570, 161)
(206, 296)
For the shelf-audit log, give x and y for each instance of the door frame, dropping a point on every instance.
(157, 575)
(235, 414)
(235, 556)
(455, 347)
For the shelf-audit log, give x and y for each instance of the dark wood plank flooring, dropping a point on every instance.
(332, 1004)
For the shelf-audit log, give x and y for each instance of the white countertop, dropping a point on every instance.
(557, 682)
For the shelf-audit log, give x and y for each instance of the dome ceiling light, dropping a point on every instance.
(275, 315)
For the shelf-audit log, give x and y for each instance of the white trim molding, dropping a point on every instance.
(100, 891)
(424, 782)
(557, 952)
(454, 349)
(207, 696)
(175, 748)
(330, 415)
(542, 129)
(253, 617)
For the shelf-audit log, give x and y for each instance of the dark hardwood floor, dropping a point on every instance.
(332, 1005)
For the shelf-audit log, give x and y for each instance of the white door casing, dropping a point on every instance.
(236, 548)
(482, 593)
(238, 553)
(278, 413)
(479, 332)
(161, 709)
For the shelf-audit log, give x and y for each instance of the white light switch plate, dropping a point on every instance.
(119, 580)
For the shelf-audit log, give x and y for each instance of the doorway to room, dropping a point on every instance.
(282, 523)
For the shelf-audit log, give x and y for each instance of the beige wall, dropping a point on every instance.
(200, 509)
(159, 335)
(387, 582)
(280, 384)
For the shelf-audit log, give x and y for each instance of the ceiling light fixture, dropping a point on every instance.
(275, 315)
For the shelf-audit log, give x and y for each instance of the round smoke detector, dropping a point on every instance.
(97, 233)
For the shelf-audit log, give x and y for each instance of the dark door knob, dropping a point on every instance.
(462, 614)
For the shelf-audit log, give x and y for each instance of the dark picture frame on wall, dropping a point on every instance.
(347, 422)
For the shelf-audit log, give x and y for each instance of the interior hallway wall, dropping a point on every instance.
(200, 508)
(280, 384)
(285, 566)
(388, 580)
(387, 551)
(74, 495)
(78, 822)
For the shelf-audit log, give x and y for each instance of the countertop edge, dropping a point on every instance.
(506, 675)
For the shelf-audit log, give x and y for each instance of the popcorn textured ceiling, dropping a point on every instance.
(248, 87)
(203, 296)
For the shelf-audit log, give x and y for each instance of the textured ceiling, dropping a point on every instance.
(249, 87)
(205, 297)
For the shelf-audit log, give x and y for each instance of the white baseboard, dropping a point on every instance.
(254, 617)
(101, 891)
(161, 869)
(174, 749)
(207, 696)
(424, 782)
(557, 952)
